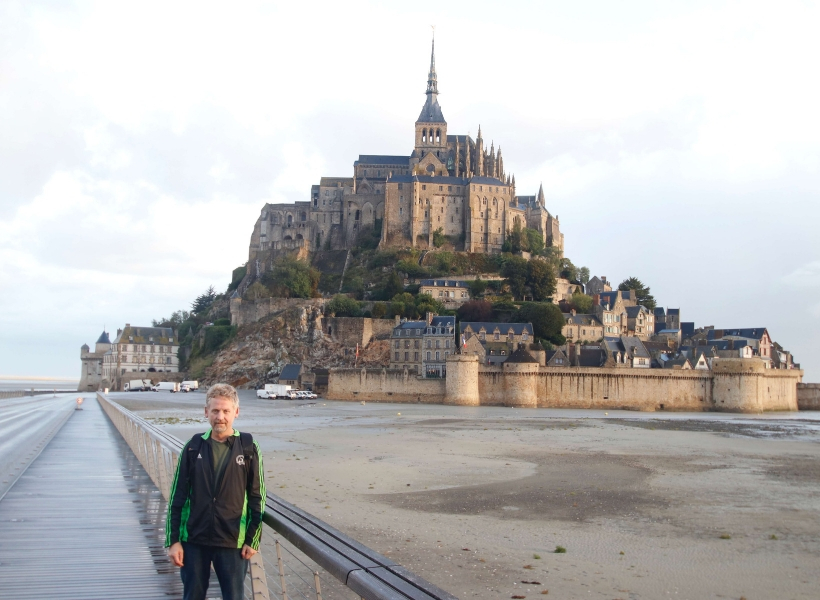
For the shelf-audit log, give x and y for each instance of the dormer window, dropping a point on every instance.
(170, 340)
(150, 338)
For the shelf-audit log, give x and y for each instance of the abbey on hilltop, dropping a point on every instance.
(448, 183)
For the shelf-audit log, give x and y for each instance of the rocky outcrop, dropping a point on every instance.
(293, 335)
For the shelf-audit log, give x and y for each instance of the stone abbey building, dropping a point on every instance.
(448, 182)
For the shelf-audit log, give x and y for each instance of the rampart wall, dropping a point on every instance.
(736, 385)
(808, 396)
(385, 385)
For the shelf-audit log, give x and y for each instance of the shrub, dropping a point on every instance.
(379, 310)
(439, 239)
(342, 306)
(560, 550)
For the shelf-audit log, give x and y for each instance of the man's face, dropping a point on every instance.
(221, 413)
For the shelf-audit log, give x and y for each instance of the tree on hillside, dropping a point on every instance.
(291, 278)
(515, 272)
(477, 288)
(581, 303)
(393, 286)
(178, 317)
(535, 241)
(379, 310)
(583, 275)
(546, 318)
(203, 301)
(540, 280)
(642, 294)
(342, 306)
(475, 311)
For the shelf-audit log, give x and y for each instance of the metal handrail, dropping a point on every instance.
(363, 570)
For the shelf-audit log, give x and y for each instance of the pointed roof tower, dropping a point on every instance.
(541, 200)
(431, 112)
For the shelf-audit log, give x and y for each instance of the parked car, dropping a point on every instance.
(185, 388)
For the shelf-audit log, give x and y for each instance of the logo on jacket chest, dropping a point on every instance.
(240, 460)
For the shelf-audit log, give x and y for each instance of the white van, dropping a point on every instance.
(193, 386)
(166, 386)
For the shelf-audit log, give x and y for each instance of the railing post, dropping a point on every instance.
(282, 582)
(317, 585)
(259, 583)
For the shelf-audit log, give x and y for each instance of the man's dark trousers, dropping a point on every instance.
(229, 566)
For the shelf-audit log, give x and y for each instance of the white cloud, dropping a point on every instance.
(138, 149)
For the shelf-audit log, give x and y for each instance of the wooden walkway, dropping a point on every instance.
(85, 521)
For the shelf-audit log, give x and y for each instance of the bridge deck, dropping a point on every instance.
(85, 521)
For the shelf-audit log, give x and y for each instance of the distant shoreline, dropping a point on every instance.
(33, 378)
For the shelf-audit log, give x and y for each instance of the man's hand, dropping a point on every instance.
(247, 552)
(175, 553)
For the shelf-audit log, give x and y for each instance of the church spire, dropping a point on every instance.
(432, 79)
(541, 199)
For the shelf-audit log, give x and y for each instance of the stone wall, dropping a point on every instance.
(736, 385)
(244, 312)
(383, 385)
(808, 396)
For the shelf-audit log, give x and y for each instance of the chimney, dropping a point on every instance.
(572, 311)
(429, 317)
(128, 324)
(398, 320)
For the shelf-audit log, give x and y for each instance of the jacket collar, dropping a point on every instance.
(207, 434)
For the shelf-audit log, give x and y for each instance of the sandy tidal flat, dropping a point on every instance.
(477, 499)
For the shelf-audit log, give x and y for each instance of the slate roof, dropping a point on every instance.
(521, 356)
(728, 344)
(435, 322)
(673, 312)
(444, 283)
(611, 297)
(687, 328)
(582, 319)
(334, 181)
(382, 159)
(591, 357)
(659, 312)
(142, 335)
(104, 339)
(754, 333)
(290, 372)
(676, 362)
(518, 328)
(431, 111)
(633, 311)
(487, 180)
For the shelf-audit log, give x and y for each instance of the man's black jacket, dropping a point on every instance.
(228, 517)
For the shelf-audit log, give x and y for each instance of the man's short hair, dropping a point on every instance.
(222, 390)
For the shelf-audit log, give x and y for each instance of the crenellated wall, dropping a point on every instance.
(735, 385)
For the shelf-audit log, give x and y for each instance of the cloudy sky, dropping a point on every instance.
(677, 142)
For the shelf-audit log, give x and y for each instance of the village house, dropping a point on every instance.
(597, 285)
(141, 349)
(423, 346)
(610, 308)
(564, 290)
(494, 342)
(451, 293)
(640, 322)
(582, 328)
(626, 351)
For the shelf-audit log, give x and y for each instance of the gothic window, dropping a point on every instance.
(438, 136)
(358, 213)
(400, 210)
(304, 216)
(290, 220)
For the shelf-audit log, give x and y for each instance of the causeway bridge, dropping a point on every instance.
(82, 516)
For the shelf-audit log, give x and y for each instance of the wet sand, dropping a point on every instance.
(477, 499)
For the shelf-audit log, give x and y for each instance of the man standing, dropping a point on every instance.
(217, 501)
